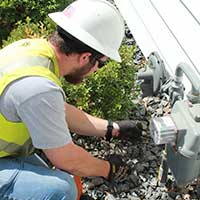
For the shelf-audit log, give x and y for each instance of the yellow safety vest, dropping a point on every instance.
(29, 57)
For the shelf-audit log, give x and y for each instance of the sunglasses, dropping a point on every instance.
(100, 62)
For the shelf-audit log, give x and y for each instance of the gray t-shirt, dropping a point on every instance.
(39, 103)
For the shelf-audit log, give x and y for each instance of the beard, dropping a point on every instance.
(73, 78)
(78, 75)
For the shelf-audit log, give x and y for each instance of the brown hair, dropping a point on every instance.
(68, 44)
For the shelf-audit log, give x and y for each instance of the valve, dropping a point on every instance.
(153, 76)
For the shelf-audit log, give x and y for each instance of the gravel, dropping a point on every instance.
(143, 160)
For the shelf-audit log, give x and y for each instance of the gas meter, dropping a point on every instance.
(180, 130)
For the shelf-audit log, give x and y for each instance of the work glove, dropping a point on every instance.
(118, 169)
(129, 129)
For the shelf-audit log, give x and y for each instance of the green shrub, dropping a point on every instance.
(29, 29)
(12, 11)
(109, 92)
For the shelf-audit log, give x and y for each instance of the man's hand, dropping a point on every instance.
(129, 129)
(118, 169)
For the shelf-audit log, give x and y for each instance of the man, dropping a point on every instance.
(34, 114)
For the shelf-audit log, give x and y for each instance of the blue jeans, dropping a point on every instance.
(29, 179)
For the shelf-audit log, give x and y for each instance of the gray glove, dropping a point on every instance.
(118, 169)
(130, 130)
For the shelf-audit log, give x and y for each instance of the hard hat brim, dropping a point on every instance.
(75, 30)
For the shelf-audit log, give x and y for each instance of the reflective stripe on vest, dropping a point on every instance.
(22, 62)
(11, 148)
(14, 136)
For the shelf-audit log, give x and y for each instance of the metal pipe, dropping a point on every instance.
(191, 75)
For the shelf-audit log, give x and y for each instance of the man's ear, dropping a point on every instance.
(84, 58)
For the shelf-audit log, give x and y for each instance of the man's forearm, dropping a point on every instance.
(77, 161)
(84, 124)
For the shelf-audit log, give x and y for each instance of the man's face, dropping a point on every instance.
(80, 73)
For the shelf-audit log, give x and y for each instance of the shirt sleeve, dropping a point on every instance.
(44, 116)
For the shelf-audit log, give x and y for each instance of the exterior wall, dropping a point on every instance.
(172, 28)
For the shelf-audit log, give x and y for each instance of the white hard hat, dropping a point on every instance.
(97, 23)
